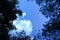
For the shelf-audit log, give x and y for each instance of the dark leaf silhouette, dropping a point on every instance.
(8, 13)
(51, 9)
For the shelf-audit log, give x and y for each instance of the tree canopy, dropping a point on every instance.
(51, 9)
(8, 13)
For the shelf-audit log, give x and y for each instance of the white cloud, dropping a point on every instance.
(25, 25)
(23, 15)
(21, 25)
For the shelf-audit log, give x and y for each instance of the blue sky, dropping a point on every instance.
(35, 18)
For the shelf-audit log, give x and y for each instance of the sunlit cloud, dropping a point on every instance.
(23, 24)
(23, 15)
